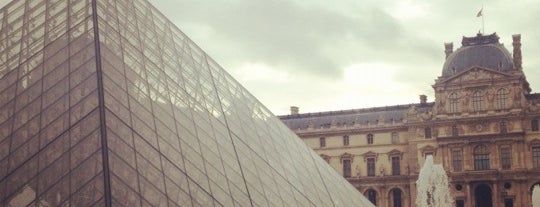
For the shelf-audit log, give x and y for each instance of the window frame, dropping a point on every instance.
(506, 157)
(501, 98)
(534, 125)
(347, 169)
(394, 138)
(481, 157)
(396, 165)
(457, 160)
(346, 140)
(322, 142)
(503, 127)
(427, 133)
(453, 103)
(478, 101)
(535, 152)
(371, 195)
(455, 130)
(369, 138)
(371, 166)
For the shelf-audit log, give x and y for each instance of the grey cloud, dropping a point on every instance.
(315, 40)
(283, 33)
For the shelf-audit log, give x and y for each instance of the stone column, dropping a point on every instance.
(495, 196)
(469, 198)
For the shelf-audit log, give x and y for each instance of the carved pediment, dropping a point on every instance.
(325, 157)
(369, 154)
(476, 74)
(428, 149)
(534, 143)
(346, 156)
(394, 153)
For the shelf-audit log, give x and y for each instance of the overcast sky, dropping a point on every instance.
(324, 55)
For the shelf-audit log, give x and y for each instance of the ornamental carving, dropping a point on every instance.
(370, 154)
(478, 126)
(534, 107)
(394, 153)
(346, 156)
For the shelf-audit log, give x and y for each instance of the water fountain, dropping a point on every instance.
(536, 196)
(432, 186)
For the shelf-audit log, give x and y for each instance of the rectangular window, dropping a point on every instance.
(455, 131)
(508, 202)
(481, 162)
(536, 157)
(395, 166)
(503, 128)
(506, 158)
(347, 168)
(395, 138)
(427, 133)
(460, 203)
(371, 166)
(534, 125)
(456, 161)
(346, 140)
(454, 101)
(322, 142)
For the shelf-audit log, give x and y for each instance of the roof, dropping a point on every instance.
(481, 51)
(351, 117)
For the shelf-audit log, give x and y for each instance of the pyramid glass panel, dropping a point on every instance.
(108, 103)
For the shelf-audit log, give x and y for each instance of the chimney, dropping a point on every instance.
(294, 110)
(448, 49)
(517, 50)
(423, 100)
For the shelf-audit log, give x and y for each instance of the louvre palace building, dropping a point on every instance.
(108, 103)
(483, 127)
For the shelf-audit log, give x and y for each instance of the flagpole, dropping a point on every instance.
(483, 31)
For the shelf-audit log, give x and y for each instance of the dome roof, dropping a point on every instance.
(481, 51)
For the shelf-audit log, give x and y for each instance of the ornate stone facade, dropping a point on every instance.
(482, 126)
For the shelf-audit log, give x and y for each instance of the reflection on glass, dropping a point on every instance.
(138, 115)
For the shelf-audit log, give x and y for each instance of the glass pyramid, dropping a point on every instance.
(107, 103)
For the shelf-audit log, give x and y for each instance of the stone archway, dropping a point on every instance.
(483, 196)
(371, 195)
(395, 198)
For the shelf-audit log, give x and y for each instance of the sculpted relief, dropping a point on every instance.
(476, 74)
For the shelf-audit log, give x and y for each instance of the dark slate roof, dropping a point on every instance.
(533, 96)
(350, 117)
(481, 51)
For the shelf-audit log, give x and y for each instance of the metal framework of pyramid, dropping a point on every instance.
(107, 103)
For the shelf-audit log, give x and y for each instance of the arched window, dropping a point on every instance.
(454, 102)
(396, 197)
(395, 138)
(501, 97)
(481, 157)
(478, 101)
(370, 138)
(372, 196)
